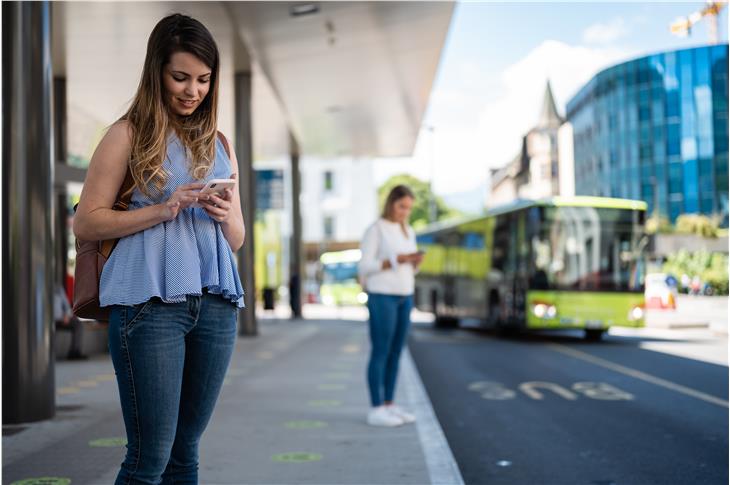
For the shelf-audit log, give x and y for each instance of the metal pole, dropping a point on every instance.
(247, 187)
(27, 212)
(295, 261)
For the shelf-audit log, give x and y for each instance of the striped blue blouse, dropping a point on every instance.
(176, 258)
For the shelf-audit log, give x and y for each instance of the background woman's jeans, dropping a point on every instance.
(390, 317)
(170, 360)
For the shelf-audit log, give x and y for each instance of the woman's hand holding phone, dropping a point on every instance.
(218, 206)
(413, 258)
(184, 196)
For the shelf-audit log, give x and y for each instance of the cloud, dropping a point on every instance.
(478, 131)
(605, 33)
(503, 122)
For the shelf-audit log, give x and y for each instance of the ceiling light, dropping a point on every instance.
(301, 9)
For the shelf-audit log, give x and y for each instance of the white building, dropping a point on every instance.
(339, 199)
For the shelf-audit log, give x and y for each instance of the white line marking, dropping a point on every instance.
(529, 388)
(442, 467)
(687, 391)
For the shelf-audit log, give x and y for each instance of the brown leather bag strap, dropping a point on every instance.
(225, 143)
(125, 193)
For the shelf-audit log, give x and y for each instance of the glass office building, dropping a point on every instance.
(656, 129)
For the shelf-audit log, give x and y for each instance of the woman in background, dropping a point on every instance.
(389, 262)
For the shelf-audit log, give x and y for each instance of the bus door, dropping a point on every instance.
(520, 253)
(510, 236)
(503, 267)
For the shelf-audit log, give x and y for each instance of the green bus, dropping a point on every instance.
(339, 278)
(554, 263)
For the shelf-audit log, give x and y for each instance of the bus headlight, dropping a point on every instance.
(636, 313)
(544, 310)
(328, 299)
(362, 297)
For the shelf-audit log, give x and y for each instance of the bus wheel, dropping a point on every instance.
(445, 322)
(594, 335)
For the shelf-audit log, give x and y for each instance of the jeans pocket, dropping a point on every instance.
(135, 312)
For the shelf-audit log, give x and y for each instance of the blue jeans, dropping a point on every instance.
(390, 317)
(170, 360)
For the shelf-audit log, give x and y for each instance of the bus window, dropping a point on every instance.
(586, 248)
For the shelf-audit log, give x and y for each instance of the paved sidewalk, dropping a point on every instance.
(292, 411)
(693, 312)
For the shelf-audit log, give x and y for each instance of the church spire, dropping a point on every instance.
(549, 114)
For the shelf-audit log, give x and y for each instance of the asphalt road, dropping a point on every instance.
(554, 409)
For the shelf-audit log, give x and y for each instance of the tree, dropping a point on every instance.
(422, 192)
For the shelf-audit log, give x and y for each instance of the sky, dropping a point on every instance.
(494, 67)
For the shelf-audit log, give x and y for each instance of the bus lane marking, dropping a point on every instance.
(636, 374)
(530, 388)
(492, 390)
(602, 391)
(496, 391)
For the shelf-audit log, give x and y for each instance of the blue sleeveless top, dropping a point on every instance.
(175, 258)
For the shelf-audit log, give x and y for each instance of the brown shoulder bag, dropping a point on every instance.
(90, 259)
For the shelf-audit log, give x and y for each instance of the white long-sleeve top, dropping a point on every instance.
(385, 240)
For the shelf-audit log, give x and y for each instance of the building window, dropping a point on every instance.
(329, 184)
(329, 228)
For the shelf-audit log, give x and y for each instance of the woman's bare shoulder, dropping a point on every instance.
(120, 131)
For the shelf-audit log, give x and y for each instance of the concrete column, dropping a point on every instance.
(247, 186)
(295, 261)
(27, 212)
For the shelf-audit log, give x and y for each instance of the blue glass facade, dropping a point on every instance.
(656, 129)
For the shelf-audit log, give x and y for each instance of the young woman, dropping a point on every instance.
(389, 261)
(171, 281)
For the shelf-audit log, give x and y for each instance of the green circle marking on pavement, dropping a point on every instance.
(63, 391)
(296, 457)
(330, 387)
(87, 383)
(43, 481)
(325, 403)
(305, 424)
(108, 442)
(338, 375)
(350, 349)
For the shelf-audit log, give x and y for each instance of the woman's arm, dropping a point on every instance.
(369, 263)
(95, 220)
(233, 226)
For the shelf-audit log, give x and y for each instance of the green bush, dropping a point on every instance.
(658, 224)
(696, 224)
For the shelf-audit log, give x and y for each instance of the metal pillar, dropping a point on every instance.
(247, 187)
(295, 260)
(27, 212)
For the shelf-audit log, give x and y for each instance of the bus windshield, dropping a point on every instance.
(586, 248)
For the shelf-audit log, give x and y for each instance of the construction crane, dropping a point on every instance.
(683, 25)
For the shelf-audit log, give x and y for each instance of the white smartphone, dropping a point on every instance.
(217, 186)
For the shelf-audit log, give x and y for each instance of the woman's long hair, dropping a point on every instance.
(149, 116)
(396, 194)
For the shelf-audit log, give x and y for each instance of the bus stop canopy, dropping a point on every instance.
(352, 78)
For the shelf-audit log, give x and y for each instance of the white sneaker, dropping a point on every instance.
(398, 412)
(380, 416)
